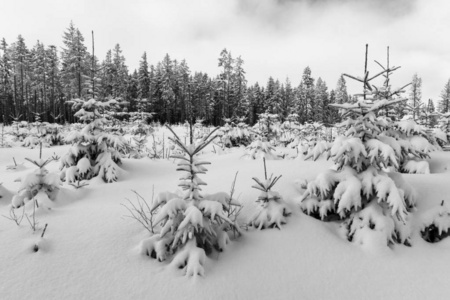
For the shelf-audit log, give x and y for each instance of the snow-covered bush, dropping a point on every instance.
(442, 133)
(37, 191)
(234, 133)
(191, 226)
(268, 131)
(36, 136)
(272, 211)
(94, 151)
(138, 144)
(20, 131)
(436, 223)
(290, 129)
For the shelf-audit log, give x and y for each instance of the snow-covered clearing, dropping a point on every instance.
(90, 249)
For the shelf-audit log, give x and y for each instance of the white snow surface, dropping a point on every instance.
(91, 250)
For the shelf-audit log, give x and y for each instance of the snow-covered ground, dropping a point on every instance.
(91, 249)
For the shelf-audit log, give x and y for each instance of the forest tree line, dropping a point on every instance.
(39, 81)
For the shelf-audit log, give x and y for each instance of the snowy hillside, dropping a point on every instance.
(91, 249)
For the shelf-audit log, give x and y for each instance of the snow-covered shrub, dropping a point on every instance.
(272, 211)
(20, 131)
(268, 131)
(191, 226)
(442, 133)
(38, 190)
(137, 148)
(94, 151)
(157, 148)
(436, 223)
(54, 135)
(36, 136)
(373, 202)
(234, 133)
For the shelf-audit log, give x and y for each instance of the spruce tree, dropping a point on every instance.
(373, 202)
(306, 96)
(144, 79)
(5, 80)
(415, 96)
(21, 61)
(444, 103)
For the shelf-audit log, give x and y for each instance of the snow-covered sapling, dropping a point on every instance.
(360, 190)
(139, 143)
(267, 132)
(38, 190)
(436, 223)
(272, 211)
(94, 151)
(40, 186)
(191, 225)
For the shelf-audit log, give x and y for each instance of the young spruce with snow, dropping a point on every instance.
(191, 225)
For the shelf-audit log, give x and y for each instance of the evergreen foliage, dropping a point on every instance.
(373, 202)
(94, 151)
(192, 225)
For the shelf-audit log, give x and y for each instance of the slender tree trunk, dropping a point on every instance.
(16, 106)
(21, 83)
(35, 102)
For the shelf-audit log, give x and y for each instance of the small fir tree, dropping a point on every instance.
(192, 225)
(272, 211)
(373, 202)
(94, 151)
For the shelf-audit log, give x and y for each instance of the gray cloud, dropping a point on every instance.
(276, 38)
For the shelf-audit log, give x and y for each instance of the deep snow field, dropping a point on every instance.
(91, 249)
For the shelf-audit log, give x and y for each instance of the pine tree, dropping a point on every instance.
(321, 112)
(54, 83)
(92, 82)
(374, 203)
(415, 96)
(73, 65)
(73, 62)
(334, 113)
(306, 96)
(21, 57)
(238, 86)
(94, 151)
(271, 101)
(341, 91)
(39, 71)
(132, 94)
(444, 103)
(107, 71)
(144, 80)
(430, 115)
(167, 80)
(5, 81)
(226, 61)
(119, 74)
(192, 225)
(287, 98)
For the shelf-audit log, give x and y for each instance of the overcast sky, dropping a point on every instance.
(277, 38)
